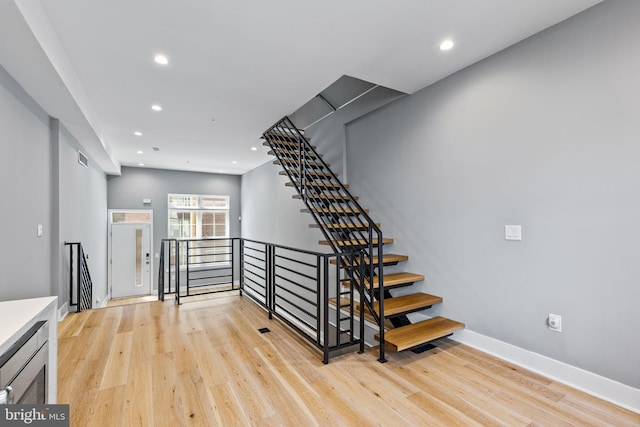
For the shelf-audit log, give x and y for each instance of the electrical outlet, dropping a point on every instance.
(555, 322)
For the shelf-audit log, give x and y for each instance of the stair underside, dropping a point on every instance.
(407, 303)
(393, 280)
(386, 259)
(419, 333)
(356, 242)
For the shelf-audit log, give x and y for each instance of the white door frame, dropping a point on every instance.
(109, 234)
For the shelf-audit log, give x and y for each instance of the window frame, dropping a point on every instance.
(198, 209)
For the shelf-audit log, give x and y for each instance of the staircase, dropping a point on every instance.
(346, 226)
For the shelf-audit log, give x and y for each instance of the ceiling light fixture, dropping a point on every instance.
(156, 107)
(446, 45)
(254, 149)
(234, 162)
(139, 152)
(137, 133)
(140, 164)
(161, 59)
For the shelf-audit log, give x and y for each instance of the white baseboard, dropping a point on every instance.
(63, 311)
(596, 385)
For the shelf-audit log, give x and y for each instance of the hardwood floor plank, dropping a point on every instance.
(117, 368)
(204, 363)
(138, 405)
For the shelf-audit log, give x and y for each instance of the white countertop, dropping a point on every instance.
(16, 319)
(17, 316)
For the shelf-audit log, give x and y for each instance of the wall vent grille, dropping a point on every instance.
(83, 159)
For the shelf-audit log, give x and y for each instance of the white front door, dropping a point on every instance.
(130, 260)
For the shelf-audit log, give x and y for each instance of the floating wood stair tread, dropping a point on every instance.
(281, 151)
(326, 197)
(354, 226)
(415, 334)
(283, 143)
(387, 259)
(394, 280)
(357, 242)
(407, 303)
(280, 136)
(311, 172)
(308, 163)
(333, 211)
(317, 184)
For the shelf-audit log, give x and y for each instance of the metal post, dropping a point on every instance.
(241, 264)
(362, 297)
(319, 305)
(178, 272)
(70, 274)
(269, 280)
(79, 279)
(325, 292)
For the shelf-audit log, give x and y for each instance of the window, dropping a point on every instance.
(193, 216)
(198, 217)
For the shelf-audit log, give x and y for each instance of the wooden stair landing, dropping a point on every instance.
(419, 333)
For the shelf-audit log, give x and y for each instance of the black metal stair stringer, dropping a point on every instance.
(284, 139)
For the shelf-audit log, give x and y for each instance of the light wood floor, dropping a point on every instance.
(205, 363)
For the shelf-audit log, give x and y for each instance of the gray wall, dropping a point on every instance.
(329, 136)
(127, 191)
(82, 213)
(270, 214)
(544, 134)
(41, 182)
(25, 191)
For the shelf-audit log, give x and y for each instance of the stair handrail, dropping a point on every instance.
(84, 284)
(286, 127)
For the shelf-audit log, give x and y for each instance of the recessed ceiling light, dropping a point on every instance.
(254, 149)
(136, 133)
(140, 164)
(161, 59)
(220, 171)
(139, 152)
(156, 107)
(446, 45)
(234, 162)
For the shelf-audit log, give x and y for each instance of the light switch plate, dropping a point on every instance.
(513, 232)
(40, 231)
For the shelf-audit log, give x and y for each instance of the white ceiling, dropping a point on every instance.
(244, 63)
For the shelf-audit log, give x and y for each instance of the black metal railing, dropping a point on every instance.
(80, 285)
(301, 288)
(194, 267)
(343, 222)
